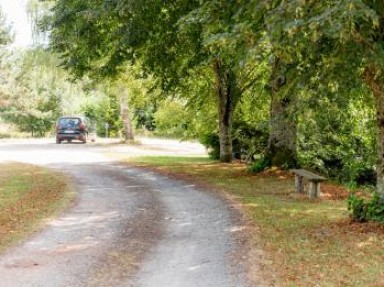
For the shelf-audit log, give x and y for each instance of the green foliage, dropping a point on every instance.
(36, 10)
(375, 208)
(212, 143)
(250, 129)
(100, 39)
(366, 210)
(145, 119)
(259, 165)
(5, 30)
(171, 119)
(249, 140)
(32, 104)
(36, 92)
(357, 207)
(316, 50)
(337, 137)
(104, 111)
(365, 176)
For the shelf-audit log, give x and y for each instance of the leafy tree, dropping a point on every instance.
(144, 118)
(339, 144)
(171, 119)
(293, 51)
(6, 36)
(104, 110)
(353, 32)
(172, 40)
(119, 88)
(281, 149)
(37, 92)
(33, 104)
(36, 10)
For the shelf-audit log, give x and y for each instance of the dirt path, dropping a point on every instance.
(128, 227)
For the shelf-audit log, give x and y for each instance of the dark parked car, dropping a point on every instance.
(71, 128)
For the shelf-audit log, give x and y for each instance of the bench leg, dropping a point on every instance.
(314, 189)
(299, 184)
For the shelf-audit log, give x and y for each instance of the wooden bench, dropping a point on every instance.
(313, 179)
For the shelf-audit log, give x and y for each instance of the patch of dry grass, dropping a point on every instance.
(28, 194)
(307, 242)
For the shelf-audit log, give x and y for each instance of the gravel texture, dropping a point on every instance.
(127, 227)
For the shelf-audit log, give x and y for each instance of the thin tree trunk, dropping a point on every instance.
(124, 110)
(227, 94)
(281, 149)
(377, 88)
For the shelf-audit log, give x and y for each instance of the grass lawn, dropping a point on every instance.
(28, 195)
(307, 242)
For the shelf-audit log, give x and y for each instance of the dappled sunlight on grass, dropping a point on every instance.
(173, 160)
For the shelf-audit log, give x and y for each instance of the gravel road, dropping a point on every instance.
(127, 227)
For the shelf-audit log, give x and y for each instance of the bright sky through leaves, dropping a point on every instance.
(16, 15)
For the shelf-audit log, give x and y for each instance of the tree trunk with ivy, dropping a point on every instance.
(228, 94)
(376, 83)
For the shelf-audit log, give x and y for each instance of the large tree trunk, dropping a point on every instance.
(281, 150)
(228, 94)
(124, 110)
(376, 84)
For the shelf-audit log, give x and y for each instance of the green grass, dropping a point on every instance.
(13, 189)
(308, 242)
(28, 195)
(172, 161)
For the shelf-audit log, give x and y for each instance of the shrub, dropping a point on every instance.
(212, 143)
(366, 210)
(259, 165)
(249, 141)
(366, 176)
(357, 207)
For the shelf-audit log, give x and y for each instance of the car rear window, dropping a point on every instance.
(69, 121)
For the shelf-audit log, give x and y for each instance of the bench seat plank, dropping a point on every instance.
(308, 174)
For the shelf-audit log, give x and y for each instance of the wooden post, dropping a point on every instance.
(299, 184)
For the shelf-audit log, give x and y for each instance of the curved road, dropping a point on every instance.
(127, 227)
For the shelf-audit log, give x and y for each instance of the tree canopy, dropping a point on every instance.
(290, 82)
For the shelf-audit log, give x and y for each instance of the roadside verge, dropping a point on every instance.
(297, 241)
(28, 196)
